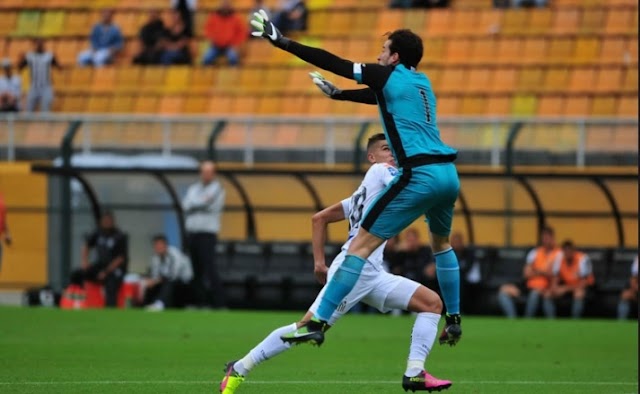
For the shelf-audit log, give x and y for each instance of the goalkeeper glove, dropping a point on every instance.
(329, 89)
(267, 29)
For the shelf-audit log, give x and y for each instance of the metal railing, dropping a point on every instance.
(497, 137)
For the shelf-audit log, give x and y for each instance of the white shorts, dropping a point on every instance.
(375, 287)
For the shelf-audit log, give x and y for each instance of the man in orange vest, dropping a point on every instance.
(537, 276)
(572, 275)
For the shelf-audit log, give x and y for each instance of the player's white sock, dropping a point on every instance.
(271, 346)
(423, 336)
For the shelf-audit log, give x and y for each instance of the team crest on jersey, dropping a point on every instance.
(392, 170)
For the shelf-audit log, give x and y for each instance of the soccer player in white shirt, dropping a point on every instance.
(375, 287)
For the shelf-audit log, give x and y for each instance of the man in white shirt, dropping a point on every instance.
(630, 293)
(202, 206)
(169, 270)
(375, 287)
(10, 88)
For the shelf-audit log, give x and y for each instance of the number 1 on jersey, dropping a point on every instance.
(427, 107)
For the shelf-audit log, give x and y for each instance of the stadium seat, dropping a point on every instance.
(152, 79)
(535, 51)
(515, 22)
(146, 104)
(466, 22)
(104, 80)
(438, 22)
(73, 103)
(473, 105)
(77, 23)
(52, 23)
(565, 21)
(388, 20)
(176, 78)
(577, 106)
(608, 80)
(628, 106)
(79, 79)
(219, 105)
(560, 50)
(524, 105)
(457, 51)
(603, 106)
(122, 103)
(8, 22)
(618, 21)
(28, 23)
(202, 80)
(453, 79)
(587, 50)
(612, 50)
(530, 79)
(550, 105)
(509, 51)
(448, 105)
(593, 20)
(630, 80)
(498, 105)
(540, 20)
(483, 51)
(503, 81)
(479, 80)
(98, 104)
(555, 79)
(581, 80)
(171, 104)
(66, 51)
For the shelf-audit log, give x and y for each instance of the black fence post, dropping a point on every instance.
(357, 148)
(213, 136)
(66, 149)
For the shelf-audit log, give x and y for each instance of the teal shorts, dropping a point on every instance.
(429, 190)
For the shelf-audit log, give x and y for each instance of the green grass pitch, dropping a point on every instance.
(53, 351)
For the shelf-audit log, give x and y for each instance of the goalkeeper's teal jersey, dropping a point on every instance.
(407, 107)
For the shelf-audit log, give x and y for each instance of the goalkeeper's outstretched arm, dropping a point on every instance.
(364, 96)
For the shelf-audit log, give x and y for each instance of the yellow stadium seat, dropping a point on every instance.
(146, 104)
(251, 80)
(269, 105)
(577, 106)
(28, 24)
(228, 80)
(340, 23)
(318, 105)
(530, 79)
(603, 106)
(504, 80)
(608, 80)
(73, 103)
(152, 79)
(555, 80)
(483, 51)
(458, 50)
(515, 21)
(479, 79)
(18, 47)
(129, 22)
(612, 50)
(104, 79)
(388, 21)
(448, 105)
(8, 21)
(256, 53)
(66, 51)
(317, 23)
(490, 21)
(202, 79)
(497, 105)
(219, 105)
(509, 50)
(196, 104)
(434, 74)
(433, 51)
(171, 104)
(295, 105)
(540, 21)
(275, 79)
(628, 106)
(438, 22)
(524, 105)
(593, 20)
(127, 79)
(98, 103)
(631, 54)
(453, 79)
(122, 103)
(177, 78)
(565, 21)
(535, 51)
(630, 80)
(415, 20)
(618, 21)
(550, 105)
(244, 104)
(77, 23)
(587, 50)
(581, 79)
(358, 50)
(466, 22)
(52, 23)
(473, 105)
(79, 79)
(561, 50)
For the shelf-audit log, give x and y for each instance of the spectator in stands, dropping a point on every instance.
(186, 9)
(630, 293)
(537, 276)
(176, 43)
(106, 41)
(257, 6)
(40, 62)
(292, 16)
(469, 270)
(416, 260)
(572, 276)
(203, 205)
(519, 3)
(104, 258)
(4, 227)
(226, 31)
(10, 88)
(169, 273)
(150, 37)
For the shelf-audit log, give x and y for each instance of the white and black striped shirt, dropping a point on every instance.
(39, 68)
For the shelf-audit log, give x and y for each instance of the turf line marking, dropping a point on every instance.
(305, 382)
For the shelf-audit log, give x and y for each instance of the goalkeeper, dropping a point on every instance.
(427, 183)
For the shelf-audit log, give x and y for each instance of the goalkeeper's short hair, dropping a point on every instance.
(408, 46)
(375, 138)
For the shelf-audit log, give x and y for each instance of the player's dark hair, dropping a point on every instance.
(375, 138)
(408, 46)
(548, 230)
(160, 237)
(567, 244)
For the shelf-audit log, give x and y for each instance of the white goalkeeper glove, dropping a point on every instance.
(267, 29)
(325, 86)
